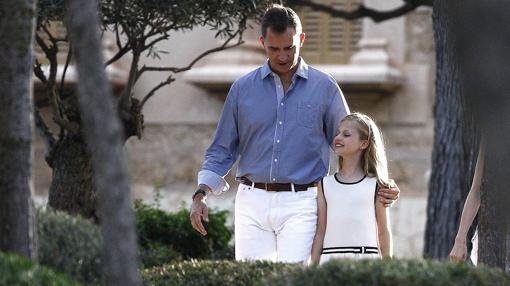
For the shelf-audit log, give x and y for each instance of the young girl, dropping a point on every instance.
(351, 222)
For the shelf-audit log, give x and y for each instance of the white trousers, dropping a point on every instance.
(274, 226)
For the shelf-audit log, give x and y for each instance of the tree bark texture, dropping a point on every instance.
(16, 208)
(455, 145)
(104, 138)
(481, 29)
(493, 225)
(72, 188)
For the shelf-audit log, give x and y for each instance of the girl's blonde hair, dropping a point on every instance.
(373, 160)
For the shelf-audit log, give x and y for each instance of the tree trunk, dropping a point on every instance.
(481, 28)
(16, 208)
(493, 226)
(72, 188)
(104, 139)
(454, 141)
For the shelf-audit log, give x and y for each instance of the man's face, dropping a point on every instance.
(283, 49)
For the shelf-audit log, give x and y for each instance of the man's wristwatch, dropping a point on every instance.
(199, 191)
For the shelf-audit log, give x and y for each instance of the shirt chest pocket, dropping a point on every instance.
(307, 114)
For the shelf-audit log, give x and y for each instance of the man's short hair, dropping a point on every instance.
(279, 18)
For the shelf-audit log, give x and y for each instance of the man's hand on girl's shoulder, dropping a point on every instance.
(388, 195)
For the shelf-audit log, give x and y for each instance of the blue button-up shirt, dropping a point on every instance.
(278, 137)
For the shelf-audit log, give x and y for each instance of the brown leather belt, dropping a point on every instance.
(278, 187)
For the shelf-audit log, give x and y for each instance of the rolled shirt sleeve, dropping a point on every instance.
(216, 182)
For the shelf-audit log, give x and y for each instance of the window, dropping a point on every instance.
(330, 40)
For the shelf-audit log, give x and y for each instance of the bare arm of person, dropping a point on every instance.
(321, 227)
(384, 235)
(471, 206)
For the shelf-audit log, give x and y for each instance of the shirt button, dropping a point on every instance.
(280, 123)
(274, 179)
(277, 141)
(276, 160)
(281, 104)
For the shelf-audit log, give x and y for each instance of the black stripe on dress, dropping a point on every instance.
(351, 249)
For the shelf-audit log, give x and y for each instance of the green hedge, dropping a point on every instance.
(211, 273)
(156, 254)
(341, 272)
(15, 270)
(71, 245)
(174, 231)
(392, 273)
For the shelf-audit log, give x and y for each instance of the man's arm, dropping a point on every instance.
(219, 158)
(222, 154)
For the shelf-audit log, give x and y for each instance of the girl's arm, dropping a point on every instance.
(321, 226)
(382, 215)
(471, 206)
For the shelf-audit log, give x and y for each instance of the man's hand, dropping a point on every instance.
(198, 213)
(388, 196)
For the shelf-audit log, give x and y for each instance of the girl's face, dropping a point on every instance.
(348, 141)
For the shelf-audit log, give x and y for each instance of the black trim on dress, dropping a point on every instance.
(351, 249)
(344, 183)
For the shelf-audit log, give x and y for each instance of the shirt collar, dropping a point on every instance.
(301, 71)
(266, 70)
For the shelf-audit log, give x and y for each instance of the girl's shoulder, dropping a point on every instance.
(327, 180)
(372, 178)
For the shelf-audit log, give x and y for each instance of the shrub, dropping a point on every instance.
(15, 270)
(205, 273)
(392, 272)
(155, 254)
(174, 231)
(71, 245)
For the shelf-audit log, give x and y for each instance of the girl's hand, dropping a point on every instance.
(459, 251)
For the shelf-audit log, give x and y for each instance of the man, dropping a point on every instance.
(280, 120)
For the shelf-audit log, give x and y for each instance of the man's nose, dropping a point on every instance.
(282, 56)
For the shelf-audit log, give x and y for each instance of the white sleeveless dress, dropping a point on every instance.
(351, 230)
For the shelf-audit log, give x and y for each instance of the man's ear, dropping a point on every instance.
(302, 37)
(261, 39)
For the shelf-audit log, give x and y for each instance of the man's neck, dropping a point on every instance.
(286, 78)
